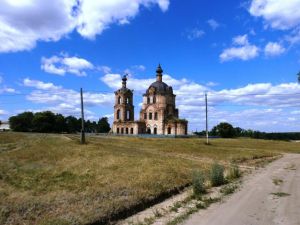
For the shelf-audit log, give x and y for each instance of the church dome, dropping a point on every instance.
(159, 87)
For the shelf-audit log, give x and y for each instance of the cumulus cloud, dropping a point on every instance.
(24, 23)
(278, 14)
(114, 81)
(62, 65)
(242, 49)
(274, 49)
(213, 24)
(65, 101)
(241, 40)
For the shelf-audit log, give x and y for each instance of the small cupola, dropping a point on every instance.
(124, 81)
(159, 73)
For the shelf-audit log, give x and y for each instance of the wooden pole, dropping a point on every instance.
(206, 117)
(82, 137)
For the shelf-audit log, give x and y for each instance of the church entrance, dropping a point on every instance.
(148, 130)
(155, 130)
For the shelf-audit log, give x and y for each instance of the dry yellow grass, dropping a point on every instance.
(52, 179)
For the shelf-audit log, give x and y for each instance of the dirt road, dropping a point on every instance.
(270, 196)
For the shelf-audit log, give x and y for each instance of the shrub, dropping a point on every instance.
(198, 183)
(217, 175)
(234, 172)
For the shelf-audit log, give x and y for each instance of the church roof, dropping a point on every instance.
(160, 86)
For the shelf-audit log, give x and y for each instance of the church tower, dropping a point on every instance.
(124, 109)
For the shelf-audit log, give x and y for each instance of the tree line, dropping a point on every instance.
(49, 122)
(226, 130)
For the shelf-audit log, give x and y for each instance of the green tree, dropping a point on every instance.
(22, 122)
(103, 125)
(60, 124)
(224, 130)
(44, 122)
(72, 124)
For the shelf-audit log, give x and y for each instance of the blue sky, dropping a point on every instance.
(245, 54)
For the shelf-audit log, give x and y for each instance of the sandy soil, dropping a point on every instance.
(255, 204)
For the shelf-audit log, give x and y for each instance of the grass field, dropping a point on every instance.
(52, 179)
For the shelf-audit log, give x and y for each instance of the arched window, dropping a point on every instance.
(154, 99)
(169, 130)
(155, 116)
(119, 100)
(126, 130)
(118, 130)
(128, 115)
(148, 100)
(150, 116)
(155, 130)
(118, 114)
(131, 130)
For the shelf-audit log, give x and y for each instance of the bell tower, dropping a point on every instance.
(124, 109)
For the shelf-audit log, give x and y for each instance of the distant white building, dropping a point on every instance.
(4, 126)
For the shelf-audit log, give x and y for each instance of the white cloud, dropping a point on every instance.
(243, 50)
(65, 101)
(194, 34)
(279, 14)
(139, 67)
(213, 24)
(241, 40)
(2, 112)
(104, 69)
(62, 65)
(211, 84)
(293, 37)
(24, 23)
(114, 81)
(274, 49)
(244, 53)
(40, 85)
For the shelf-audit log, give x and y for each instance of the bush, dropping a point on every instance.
(234, 172)
(198, 183)
(217, 175)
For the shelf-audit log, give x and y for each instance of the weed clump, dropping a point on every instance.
(228, 189)
(234, 172)
(198, 183)
(217, 175)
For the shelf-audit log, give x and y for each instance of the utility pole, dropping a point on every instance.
(206, 118)
(82, 137)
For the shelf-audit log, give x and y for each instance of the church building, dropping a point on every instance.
(158, 116)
